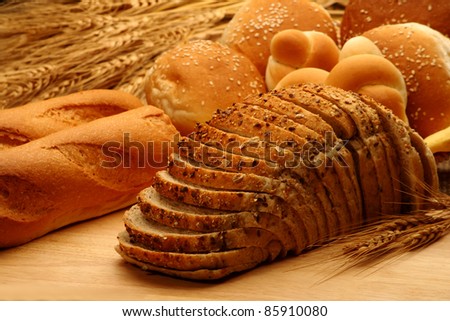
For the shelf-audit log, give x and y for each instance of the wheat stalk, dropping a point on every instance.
(94, 44)
(394, 235)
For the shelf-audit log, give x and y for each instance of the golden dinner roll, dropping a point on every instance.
(191, 81)
(423, 57)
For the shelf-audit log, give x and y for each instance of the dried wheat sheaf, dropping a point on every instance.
(54, 48)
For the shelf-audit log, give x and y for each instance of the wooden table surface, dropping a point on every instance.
(79, 263)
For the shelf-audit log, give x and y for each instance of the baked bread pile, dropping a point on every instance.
(273, 176)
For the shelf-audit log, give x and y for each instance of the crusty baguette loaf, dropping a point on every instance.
(22, 124)
(80, 172)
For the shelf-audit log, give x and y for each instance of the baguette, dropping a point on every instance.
(80, 173)
(22, 124)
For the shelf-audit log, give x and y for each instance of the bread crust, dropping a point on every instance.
(191, 261)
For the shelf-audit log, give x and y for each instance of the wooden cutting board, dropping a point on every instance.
(79, 263)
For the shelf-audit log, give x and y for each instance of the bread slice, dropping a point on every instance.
(294, 112)
(342, 124)
(288, 209)
(194, 172)
(191, 261)
(160, 237)
(183, 216)
(215, 157)
(201, 274)
(409, 161)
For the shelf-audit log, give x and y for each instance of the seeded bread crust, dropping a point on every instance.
(366, 131)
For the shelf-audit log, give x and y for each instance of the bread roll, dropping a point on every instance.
(374, 76)
(294, 49)
(423, 57)
(363, 15)
(257, 21)
(80, 173)
(193, 80)
(22, 124)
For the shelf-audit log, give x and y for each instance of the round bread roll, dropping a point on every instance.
(257, 21)
(363, 15)
(191, 81)
(423, 57)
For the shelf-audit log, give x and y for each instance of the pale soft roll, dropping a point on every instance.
(303, 76)
(439, 142)
(191, 81)
(358, 45)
